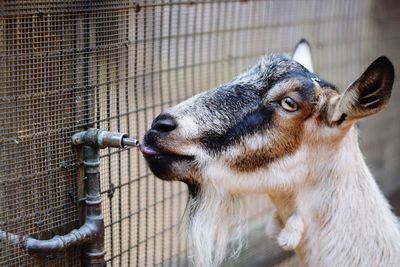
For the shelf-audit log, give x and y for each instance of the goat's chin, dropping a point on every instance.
(216, 225)
(171, 167)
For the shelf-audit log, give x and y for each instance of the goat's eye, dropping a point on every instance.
(288, 104)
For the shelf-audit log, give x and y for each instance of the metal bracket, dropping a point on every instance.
(91, 233)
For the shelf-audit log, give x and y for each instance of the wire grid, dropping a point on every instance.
(68, 65)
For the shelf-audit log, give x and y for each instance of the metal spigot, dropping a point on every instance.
(101, 138)
(128, 141)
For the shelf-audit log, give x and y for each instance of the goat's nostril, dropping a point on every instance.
(164, 125)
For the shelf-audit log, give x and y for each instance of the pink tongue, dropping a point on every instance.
(147, 151)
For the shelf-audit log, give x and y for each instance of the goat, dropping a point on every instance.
(280, 129)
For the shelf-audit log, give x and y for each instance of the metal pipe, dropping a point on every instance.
(101, 138)
(94, 250)
(91, 233)
(59, 243)
(129, 142)
(11, 238)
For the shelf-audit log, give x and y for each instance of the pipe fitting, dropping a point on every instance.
(59, 243)
(91, 233)
(101, 138)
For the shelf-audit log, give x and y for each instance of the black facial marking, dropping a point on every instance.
(235, 98)
(306, 92)
(230, 99)
(254, 121)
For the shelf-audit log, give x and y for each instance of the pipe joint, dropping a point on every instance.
(91, 233)
(101, 138)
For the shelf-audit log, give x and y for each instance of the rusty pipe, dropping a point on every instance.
(85, 234)
(91, 233)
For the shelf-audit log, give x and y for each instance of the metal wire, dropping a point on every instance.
(69, 65)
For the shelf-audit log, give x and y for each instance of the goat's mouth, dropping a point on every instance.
(165, 164)
(157, 154)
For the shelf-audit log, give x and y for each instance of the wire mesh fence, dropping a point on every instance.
(69, 65)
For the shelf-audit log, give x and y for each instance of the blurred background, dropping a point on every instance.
(66, 66)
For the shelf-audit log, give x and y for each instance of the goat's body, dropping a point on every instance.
(347, 220)
(280, 129)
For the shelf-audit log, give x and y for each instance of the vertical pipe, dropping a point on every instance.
(93, 252)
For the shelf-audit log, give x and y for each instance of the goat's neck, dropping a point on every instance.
(347, 220)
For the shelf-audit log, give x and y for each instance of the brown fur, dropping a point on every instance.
(279, 145)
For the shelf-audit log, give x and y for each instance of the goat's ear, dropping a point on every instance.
(302, 54)
(368, 94)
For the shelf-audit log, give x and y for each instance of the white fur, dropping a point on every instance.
(357, 227)
(191, 128)
(216, 226)
(281, 174)
(346, 219)
(290, 236)
(302, 55)
(287, 236)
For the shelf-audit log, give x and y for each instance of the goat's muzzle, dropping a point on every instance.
(161, 154)
(165, 165)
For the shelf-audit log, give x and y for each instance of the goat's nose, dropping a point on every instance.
(164, 123)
